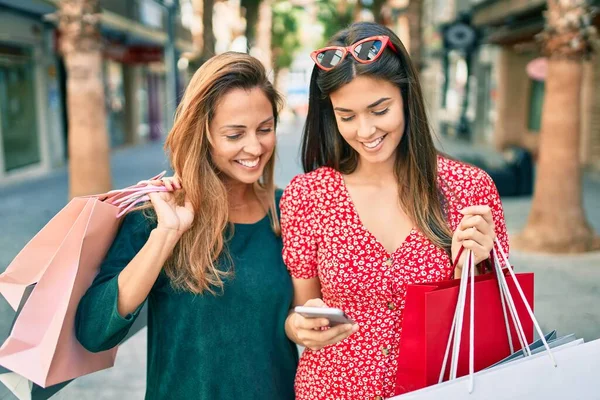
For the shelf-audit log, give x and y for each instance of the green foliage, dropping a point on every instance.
(334, 16)
(285, 33)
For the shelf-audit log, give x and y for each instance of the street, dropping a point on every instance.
(567, 286)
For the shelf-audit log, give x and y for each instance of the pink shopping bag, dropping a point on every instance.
(53, 271)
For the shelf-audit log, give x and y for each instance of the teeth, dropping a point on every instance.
(373, 144)
(249, 164)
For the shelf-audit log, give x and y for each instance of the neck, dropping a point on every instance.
(376, 173)
(239, 194)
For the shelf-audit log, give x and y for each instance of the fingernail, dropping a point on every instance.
(355, 328)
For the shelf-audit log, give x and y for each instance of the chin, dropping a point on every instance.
(246, 178)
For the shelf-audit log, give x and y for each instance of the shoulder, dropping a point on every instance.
(306, 192)
(460, 176)
(321, 179)
(139, 222)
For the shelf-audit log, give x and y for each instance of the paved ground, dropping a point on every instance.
(567, 287)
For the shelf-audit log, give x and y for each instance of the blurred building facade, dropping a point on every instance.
(504, 101)
(33, 115)
(509, 27)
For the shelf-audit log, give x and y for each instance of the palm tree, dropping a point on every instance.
(204, 38)
(414, 13)
(88, 144)
(557, 222)
(252, 15)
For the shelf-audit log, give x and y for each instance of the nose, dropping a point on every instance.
(366, 129)
(252, 145)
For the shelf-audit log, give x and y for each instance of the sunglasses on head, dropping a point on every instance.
(364, 51)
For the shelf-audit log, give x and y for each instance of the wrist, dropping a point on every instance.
(167, 236)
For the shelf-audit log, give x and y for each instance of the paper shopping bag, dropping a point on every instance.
(62, 261)
(50, 276)
(575, 376)
(427, 322)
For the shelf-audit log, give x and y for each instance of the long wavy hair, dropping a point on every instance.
(416, 155)
(193, 265)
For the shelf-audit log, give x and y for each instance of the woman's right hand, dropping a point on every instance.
(171, 217)
(315, 333)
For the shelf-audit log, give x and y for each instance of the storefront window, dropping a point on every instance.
(18, 122)
(536, 102)
(115, 102)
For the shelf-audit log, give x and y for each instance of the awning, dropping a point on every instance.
(115, 22)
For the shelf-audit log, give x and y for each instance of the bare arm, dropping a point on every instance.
(138, 277)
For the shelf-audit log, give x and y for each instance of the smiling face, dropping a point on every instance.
(370, 117)
(242, 134)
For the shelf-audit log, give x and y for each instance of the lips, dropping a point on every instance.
(374, 143)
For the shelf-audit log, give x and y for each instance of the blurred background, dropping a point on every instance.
(88, 90)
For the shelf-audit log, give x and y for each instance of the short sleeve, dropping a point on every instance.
(298, 229)
(487, 194)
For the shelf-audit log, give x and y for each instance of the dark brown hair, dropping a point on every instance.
(416, 155)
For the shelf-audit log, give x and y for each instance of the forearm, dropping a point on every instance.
(138, 277)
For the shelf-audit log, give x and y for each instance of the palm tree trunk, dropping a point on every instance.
(89, 159)
(208, 34)
(252, 15)
(557, 221)
(415, 28)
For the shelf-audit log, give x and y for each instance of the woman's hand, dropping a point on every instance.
(315, 333)
(476, 232)
(171, 217)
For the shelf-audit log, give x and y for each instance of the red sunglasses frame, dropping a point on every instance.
(385, 42)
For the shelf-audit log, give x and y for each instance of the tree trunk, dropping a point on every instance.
(198, 26)
(357, 11)
(208, 35)
(89, 150)
(557, 221)
(415, 28)
(262, 47)
(252, 11)
(377, 11)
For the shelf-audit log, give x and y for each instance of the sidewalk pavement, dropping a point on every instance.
(567, 286)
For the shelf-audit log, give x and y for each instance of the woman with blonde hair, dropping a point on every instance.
(206, 255)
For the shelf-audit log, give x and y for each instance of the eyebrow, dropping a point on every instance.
(244, 126)
(372, 105)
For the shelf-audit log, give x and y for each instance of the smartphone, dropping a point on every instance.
(334, 315)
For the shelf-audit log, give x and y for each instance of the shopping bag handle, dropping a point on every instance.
(127, 198)
(456, 328)
(485, 263)
(457, 322)
(522, 295)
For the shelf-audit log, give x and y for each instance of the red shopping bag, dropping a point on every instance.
(427, 321)
(46, 281)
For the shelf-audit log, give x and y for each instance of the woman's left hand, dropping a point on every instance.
(476, 233)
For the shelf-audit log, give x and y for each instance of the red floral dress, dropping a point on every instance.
(323, 236)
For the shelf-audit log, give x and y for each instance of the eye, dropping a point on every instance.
(347, 119)
(382, 112)
(266, 130)
(234, 136)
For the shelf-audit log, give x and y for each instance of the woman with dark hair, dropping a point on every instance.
(377, 209)
(207, 254)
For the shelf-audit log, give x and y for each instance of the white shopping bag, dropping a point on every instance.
(569, 371)
(575, 377)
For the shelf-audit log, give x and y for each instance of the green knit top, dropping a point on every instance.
(226, 346)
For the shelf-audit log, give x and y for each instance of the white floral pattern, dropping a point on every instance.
(323, 237)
